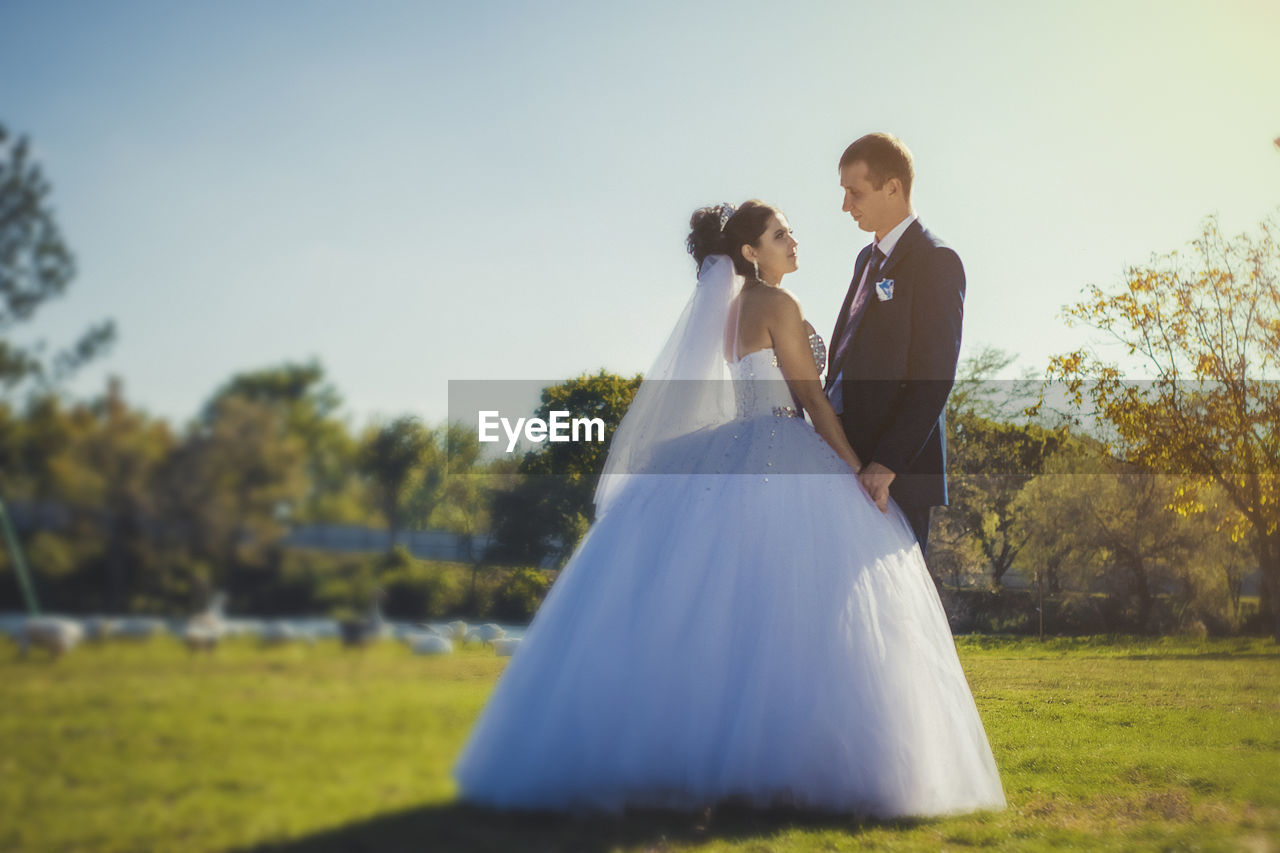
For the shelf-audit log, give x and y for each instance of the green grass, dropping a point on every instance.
(1103, 744)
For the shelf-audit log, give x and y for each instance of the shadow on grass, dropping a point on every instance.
(466, 828)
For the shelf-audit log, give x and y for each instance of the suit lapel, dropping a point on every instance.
(903, 247)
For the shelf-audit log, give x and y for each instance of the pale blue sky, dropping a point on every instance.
(419, 192)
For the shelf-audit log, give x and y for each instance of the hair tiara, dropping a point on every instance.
(726, 212)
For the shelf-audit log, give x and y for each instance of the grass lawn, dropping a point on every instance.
(1103, 744)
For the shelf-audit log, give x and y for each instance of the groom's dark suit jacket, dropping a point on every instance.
(901, 364)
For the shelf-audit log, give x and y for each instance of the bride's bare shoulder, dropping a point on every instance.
(798, 312)
(773, 300)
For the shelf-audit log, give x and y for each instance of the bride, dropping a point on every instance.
(741, 621)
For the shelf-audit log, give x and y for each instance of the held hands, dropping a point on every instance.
(875, 478)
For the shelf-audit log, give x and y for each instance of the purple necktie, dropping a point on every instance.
(858, 306)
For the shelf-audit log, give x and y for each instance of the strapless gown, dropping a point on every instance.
(750, 627)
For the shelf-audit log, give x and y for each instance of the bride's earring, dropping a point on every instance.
(756, 267)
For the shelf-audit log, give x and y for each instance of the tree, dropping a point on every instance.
(229, 484)
(405, 467)
(551, 508)
(35, 267)
(1207, 328)
(465, 496)
(307, 403)
(1092, 521)
(993, 458)
(105, 480)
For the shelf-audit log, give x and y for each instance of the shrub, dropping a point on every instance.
(417, 589)
(520, 595)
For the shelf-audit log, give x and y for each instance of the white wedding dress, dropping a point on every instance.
(748, 625)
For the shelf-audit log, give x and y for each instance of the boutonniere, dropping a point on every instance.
(884, 289)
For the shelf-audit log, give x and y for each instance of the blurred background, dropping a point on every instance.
(246, 249)
(257, 578)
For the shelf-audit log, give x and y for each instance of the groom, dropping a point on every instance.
(894, 349)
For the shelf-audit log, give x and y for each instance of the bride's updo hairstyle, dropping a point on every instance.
(744, 227)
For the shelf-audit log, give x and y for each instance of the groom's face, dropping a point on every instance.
(870, 207)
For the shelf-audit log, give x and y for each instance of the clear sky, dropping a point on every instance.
(416, 192)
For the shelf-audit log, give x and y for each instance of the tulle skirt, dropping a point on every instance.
(770, 637)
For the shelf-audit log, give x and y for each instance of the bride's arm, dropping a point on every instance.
(795, 359)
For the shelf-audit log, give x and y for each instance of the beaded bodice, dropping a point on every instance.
(759, 387)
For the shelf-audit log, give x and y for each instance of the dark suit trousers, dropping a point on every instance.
(919, 518)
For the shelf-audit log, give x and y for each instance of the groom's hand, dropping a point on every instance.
(875, 478)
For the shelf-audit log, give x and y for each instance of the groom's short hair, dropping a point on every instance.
(886, 157)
